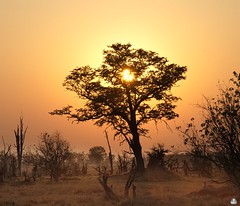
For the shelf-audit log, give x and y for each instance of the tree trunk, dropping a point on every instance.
(20, 134)
(137, 150)
(135, 143)
(19, 166)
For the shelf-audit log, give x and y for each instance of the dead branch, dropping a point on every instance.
(108, 190)
(110, 156)
(102, 170)
(6, 148)
(129, 183)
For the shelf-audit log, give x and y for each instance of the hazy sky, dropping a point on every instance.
(42, 41)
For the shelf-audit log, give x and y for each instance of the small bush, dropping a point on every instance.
(156, 157)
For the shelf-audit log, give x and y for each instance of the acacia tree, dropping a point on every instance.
(218, 139)
(118, 93)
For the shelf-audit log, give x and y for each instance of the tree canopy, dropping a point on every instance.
(97, 154)
(118, 93)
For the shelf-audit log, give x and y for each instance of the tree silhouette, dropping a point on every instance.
(118, 93)
(53, 151)
(156, 157)
(97, 154)
(20, 134)
(218, 139)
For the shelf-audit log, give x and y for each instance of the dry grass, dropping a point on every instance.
(155, 188)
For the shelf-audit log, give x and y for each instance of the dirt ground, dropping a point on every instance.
(153, 188)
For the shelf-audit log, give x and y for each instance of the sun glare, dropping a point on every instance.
(127, 75)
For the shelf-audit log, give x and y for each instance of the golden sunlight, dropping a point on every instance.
(127, 75)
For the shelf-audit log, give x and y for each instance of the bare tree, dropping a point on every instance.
(20, 134)
(110, 156)
(53, 151)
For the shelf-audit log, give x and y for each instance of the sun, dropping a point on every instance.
(127, 75)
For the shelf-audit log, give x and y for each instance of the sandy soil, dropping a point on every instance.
(154, 188)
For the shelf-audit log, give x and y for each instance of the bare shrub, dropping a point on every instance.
(124, 162)
(8, 163)
(53, 152)
(32, 160)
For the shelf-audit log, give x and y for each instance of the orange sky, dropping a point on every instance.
(42, 41)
